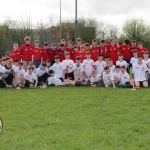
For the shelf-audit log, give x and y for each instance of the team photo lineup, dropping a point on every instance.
(81, 64)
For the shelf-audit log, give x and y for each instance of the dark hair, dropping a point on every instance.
(94, 40)
(20, 63)
(88, 53)
(48, 61)
(117, 66)
(133, 41)
(127, 42)
(44, 64)
(45, 44)
(120, 54)
(62, 45)
(33, 63)
(102, 41)
(106, 68)
(140, 56)
(16, 60)
(123, 67)
(30, 68)
(106, 57)
(51, 71)
(78, 58)
(100, 55)
(56, 57)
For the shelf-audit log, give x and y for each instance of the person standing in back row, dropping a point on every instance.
(26, 52)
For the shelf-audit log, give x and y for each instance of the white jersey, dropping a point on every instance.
(133, 61)
(108, 77)
(139, 71)
(121, 63)
(124, 77)
(14, 66)
(1, 71)
(117, 75)
(96, 78)
(40, 72)
(6, 70)
(79, 69)
(69, 63)
(58, 69)
(34, 71)
(147, 62)
(100, 66)
(32, 77)
(88, 66)
(19, 74)
(54, 80)
(112, 68)
(49, 68)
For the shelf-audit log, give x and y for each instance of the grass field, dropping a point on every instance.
(86, 119)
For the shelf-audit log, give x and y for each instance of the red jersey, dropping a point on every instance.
(71, 51)
(53, 53)
(78, 47)
(15, 54)
(75, 55)
(61, 54)
(82, 55)
(37, 53)
(132, 48)
(46, 54)
(104, 50)
(125, 50)
(94, 53)
(25, 51)
(113, 50)
(142, 50)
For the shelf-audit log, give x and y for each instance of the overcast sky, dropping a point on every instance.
(111, 11)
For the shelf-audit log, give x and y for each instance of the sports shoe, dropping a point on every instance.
(44, 86)
(31, 86)
(18, 88)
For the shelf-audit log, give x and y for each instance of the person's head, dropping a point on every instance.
(87, 46)
(140, 59)
(94, 73)
(106, 59)
(78, 41)
(120, 56)
(48, 63)
(78, 60)
(94, 43)
(36, 43)
(4, 61)
(133, 43)
(15, 46)
(102, 42)
(140, 45)
(62, 46)
(45, 45)
(135, 53)
(100, 57)
(83, 43)
(33, 65)
(56, 59)
(110, 61)
(20, 65)
(53, 45)
(75, 48)
(146, 55)
(82, 48)
(16, 61)
(9, 63)
(88, 54)
(43, 66)
(70, 44)
(117, 68)
(63, 41)
(126, 41)
(67, 55)
(123, 69)
(27, 40)
(51, 73)
(30, 70)
(107, 69)
(112, 40)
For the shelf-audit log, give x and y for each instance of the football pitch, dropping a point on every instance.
(75, 118)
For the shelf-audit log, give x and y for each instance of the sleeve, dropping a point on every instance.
(3, 70)
(112, 76)
(21, 50)
(82, 69)
(128, 77)
(32, 52)
(117, 63)
(133, 69)
(34, 77)
(103, 75)
(15, 70)
(74, 67)
(49, 81)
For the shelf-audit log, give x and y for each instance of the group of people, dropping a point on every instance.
(80, 64)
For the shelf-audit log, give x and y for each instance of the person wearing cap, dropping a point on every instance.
(61, 52)
(134, 59)
(78, 70)
(58, 68)
(140, 73)
(15, 53)
(68, 65)
(133, 47)
(141, 48)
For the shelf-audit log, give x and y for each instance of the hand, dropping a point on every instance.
(106, 86)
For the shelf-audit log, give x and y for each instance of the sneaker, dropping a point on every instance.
(44, 87)
(18, 88)
(31, 86)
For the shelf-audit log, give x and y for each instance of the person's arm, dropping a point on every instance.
(81, 75)
(36, 82)
(75, 77)
(104, 80)
(113, 83)
(32, 58)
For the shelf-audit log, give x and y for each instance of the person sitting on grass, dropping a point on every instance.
(117, 75)
(96, 79)
(120, 62)
(48, 65)
(33, 65)
(140, 73)
(18, 76)
(54, 80)
(108, 77)
(30, 78)
(15, 64)
(42, 75)
(125, 79)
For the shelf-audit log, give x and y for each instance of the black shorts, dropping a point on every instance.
(69, 75)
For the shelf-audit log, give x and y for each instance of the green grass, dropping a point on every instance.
(89, 119)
